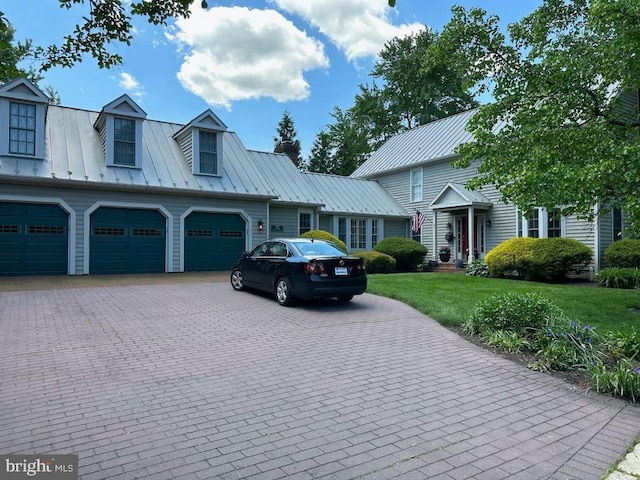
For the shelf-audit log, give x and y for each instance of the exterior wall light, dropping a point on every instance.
(260, 225)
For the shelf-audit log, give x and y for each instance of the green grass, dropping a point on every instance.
(449, 299)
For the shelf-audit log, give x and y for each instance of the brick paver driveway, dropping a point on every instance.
(196, 381)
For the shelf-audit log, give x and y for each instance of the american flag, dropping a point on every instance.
(418, 220)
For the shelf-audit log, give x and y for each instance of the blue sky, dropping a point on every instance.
(247, 60)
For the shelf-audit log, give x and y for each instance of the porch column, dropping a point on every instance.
(434, 240)
(470, 230)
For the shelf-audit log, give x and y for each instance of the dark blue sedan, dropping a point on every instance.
(300, 268)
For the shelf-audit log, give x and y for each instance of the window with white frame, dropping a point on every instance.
(542, 224)
(342, 229)
(416, 185)
(374, 232)
(22, 128)
(124, 142)
(616, 215)
(358, 233)
(554, 224)
(533, 224)
(208, 146)
(305, 222)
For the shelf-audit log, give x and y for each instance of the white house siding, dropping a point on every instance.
(395, 228)
(80, 200)
(326, 223)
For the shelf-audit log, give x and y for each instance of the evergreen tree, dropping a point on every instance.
(285, 140)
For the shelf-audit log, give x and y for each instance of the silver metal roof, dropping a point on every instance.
(430, 142)
(73, 151)
(335, 194)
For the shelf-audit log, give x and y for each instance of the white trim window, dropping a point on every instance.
(304, 222)
(208, 152)
(543, 224)
(124, 142)
(416, 185)
(358, 234)
(22, 129)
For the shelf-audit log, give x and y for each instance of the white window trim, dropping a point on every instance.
(310, 213)
(111, 141)
(4, 128)
(543, 224)
(195, 141)
(411, 184)
(368, 230)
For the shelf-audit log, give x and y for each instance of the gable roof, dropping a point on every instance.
(23, 89)
(455, 195)
(74, 154)
(433, 141)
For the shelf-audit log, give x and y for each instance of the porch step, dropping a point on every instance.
(446, 267)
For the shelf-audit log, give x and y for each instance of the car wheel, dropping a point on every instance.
(283, 292)
(345, 298)
(236, 280)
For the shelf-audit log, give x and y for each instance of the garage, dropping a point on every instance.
(33, 239)
(127, 240)
(213, 241)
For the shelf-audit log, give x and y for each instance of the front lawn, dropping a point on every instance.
(450, 298)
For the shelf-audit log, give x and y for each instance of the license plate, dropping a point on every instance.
(341, 271)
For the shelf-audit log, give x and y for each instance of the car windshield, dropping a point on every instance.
(317, 248)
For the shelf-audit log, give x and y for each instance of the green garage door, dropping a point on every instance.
(213, 241)
(127, 240)
(33, 239)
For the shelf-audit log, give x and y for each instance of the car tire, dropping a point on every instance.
(283, 292)
(345, 298)
(236, 280)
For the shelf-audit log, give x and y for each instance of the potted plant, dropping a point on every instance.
(444, 252)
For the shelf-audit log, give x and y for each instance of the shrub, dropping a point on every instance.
(407, 252)
(623, 380)
(521, 313)
(377, 262)
(615, 277)
(477, 268)
(512, 257)
(322, 235)
(623, 253)
(553, 258)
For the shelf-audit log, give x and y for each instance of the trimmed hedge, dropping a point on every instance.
(407, 252)
(623, 253)
(322, 235)
(549, 259)
(512, 257)
(377, 262)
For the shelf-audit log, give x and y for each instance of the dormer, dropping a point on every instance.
(120, 127)
(201, 143)
(23, 110)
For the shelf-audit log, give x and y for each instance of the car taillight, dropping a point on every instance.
(314, 267)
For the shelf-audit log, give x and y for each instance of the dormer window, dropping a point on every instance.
(23, 108)
(120, 127)
(22, 128)
(208, 152)
(201, 143)
(124, 142)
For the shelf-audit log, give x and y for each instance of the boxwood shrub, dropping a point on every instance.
(548, 259)
(377, 262)
(623, 253)
(407, 252)
(554, 258)
(511, 258)
(322, 235)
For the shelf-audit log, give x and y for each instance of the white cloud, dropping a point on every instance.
(240, 53)
(359, 28)
(131, 85)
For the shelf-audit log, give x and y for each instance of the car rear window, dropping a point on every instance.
(317, 248)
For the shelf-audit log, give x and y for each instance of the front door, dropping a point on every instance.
(462, 238)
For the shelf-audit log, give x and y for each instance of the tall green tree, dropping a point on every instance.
(339, 148)
(405, 93)
(286, 140)
(411, 93)
(13, 53)
(564, 129)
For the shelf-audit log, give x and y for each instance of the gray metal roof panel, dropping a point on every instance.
(73, 151)
(429, 142)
